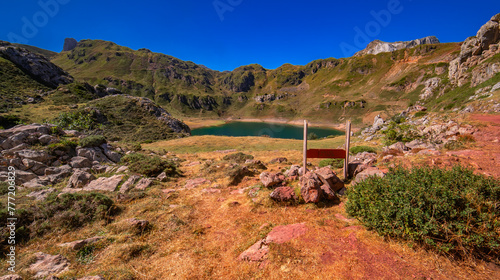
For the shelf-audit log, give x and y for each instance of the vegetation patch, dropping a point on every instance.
(93, 141)
(452, 211)
(334, 162)
(150, 165)
(361, 149)
(238, 157)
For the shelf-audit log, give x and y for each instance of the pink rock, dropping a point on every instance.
(193, 183)
(282, 234)
(256, 253)
(283, 194)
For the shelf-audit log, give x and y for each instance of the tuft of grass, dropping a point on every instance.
(451, 211)
(334, 162)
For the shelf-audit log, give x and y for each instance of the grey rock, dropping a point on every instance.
(34, 166)
(40, 156)
(93, 154)
(271, 179)
(35, 183)
(77, 245)
(79, 179)
(122, 169)
(99, 169)
(41, 194)
(293, 171)
(399, 146)
(80, 162)
(143, 184)
(137, 225)
(162, 177)
(47, 139)
(69, 44)
(129, 183)
(114, 157)
(24, 176)
(365, 174)
(104, 184)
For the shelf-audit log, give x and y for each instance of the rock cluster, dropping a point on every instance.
(474, 51)
(321, 184)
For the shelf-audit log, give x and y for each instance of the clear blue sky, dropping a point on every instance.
(241, 32)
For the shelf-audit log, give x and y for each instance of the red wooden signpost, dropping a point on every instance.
(328, 153)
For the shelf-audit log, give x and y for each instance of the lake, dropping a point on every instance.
(273, 130)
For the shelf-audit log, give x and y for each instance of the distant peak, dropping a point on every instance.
(377, 46)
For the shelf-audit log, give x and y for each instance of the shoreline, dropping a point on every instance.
(199, 123)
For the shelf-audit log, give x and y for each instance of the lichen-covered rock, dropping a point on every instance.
(310, 188)
(283, 194)
(46, 265)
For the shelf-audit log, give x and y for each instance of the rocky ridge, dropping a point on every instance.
(377, 46)
(473, 65)
(37, 66)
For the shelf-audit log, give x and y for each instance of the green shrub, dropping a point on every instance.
(150, 165)
(65, 145)
(361, 149)
(334, 162)
(82, 121)
(93, 141)
(452, 211)
(420, 114)
(8, 121)
(238, 157)
(312, 136)
(400, 133)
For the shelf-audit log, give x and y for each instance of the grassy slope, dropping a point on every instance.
(15, 83)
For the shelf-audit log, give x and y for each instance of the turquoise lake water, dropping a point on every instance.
(273, 130)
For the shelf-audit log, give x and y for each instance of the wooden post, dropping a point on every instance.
(347, 145)
(305, 147)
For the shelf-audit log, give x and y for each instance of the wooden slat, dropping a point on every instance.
(326, 153)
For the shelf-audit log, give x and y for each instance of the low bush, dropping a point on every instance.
(82, 121)
(237, 157)
(400, 132)
(334, 162)
(93, 141)
(420, 114)
(65, 145)
(360, 149)
(452, 211)
(150, 165)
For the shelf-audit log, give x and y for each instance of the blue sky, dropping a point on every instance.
(225, 34)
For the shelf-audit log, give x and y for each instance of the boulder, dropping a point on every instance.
(93, 154)
(79, 179)
(34, 166)
(104, 184)
(143, 184)
(271, 179)
(283, 194)
(40, 156)
(41, 194)
(113, 156)
(310, 188)
(122, 169)
(162, 177)
(285, 233)
(35, 184)
(293, 171)
(24, 176)
(47, 139)
(46, 265)
(237, 173)
(365, 174)
(129, 183)
(80, 162)
(256, 253)
(329, 178)
(399, 146)
(77, 245)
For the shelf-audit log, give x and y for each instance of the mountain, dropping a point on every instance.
(378, 46)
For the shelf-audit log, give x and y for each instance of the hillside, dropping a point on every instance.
(323, 90)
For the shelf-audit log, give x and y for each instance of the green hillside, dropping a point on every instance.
(326, 89)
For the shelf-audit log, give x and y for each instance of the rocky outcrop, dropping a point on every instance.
(271, 179)
(77, 245)
(35, 65)
(474, 52)
(378, 46)
(69, 44)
